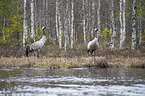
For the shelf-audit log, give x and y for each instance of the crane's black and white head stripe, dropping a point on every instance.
(43, 27)
(96, 29)
(43, 30)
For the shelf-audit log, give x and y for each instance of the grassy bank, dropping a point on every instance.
(75, 62)
(51, 57)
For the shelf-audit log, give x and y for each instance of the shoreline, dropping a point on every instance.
(74, 62)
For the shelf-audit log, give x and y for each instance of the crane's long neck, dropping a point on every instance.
(96, 34)
(43, 31)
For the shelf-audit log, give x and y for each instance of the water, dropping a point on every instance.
(72, 82)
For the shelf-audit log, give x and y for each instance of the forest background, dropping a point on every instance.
(70, 23)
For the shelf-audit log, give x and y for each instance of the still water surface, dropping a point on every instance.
(72, 82)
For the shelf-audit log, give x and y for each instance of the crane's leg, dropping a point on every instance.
(38, 54)
(91, 52)
(34, 53)
(94, 56)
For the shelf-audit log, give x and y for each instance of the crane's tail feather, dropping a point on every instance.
(88, 51)
(27, 50)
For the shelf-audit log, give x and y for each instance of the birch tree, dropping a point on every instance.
(93, 17)
(25, 24)
(32, 19)
(122, 23)
(113, 26)
(84, 21)
(140, 24)
(98, 18)
(66, 25)
(133, 46)
(58, 24)
(56, 21)
(72, 24)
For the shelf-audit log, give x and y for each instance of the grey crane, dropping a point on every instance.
(36, 46)
(93, 45)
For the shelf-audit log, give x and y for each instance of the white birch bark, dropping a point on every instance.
(36, 18)
(58, 24)
(65, 26)
(113, 27)
(84, 22)
(140, 26)
(72, 24)
(98, 18)
(122, 23)
(25, 32)
(88, 15)
(60, 32)
(32, 19)
(140, 32)
(56, 20)
(43, 12)
(133, 46)
(93, 18)
(84, 30)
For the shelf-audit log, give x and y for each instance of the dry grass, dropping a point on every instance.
(62, 62)
(58, 58)
(128, 62)
(75, 62)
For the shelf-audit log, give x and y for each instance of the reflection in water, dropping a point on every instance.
(78, 82)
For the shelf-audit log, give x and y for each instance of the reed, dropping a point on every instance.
(128, 62)
(74, 62)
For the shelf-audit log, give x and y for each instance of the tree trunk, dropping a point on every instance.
(58, 24)
(84, 21)
(93, 18)
(72, 24)
(56, 21)
(133, 46)
(60, 32)
(32, 19)
(36, 16)
(25, 31)
(113, 27)
(66, 25)
(98, 18)
(122, 23)
(140, 26)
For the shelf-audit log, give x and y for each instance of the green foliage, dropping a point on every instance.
(38, 34)
(106, 34)
(80, 38)
(11, 14)
(31, 40)
(81, 47)
(106, 37)
(14, 32)
(143, 38)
